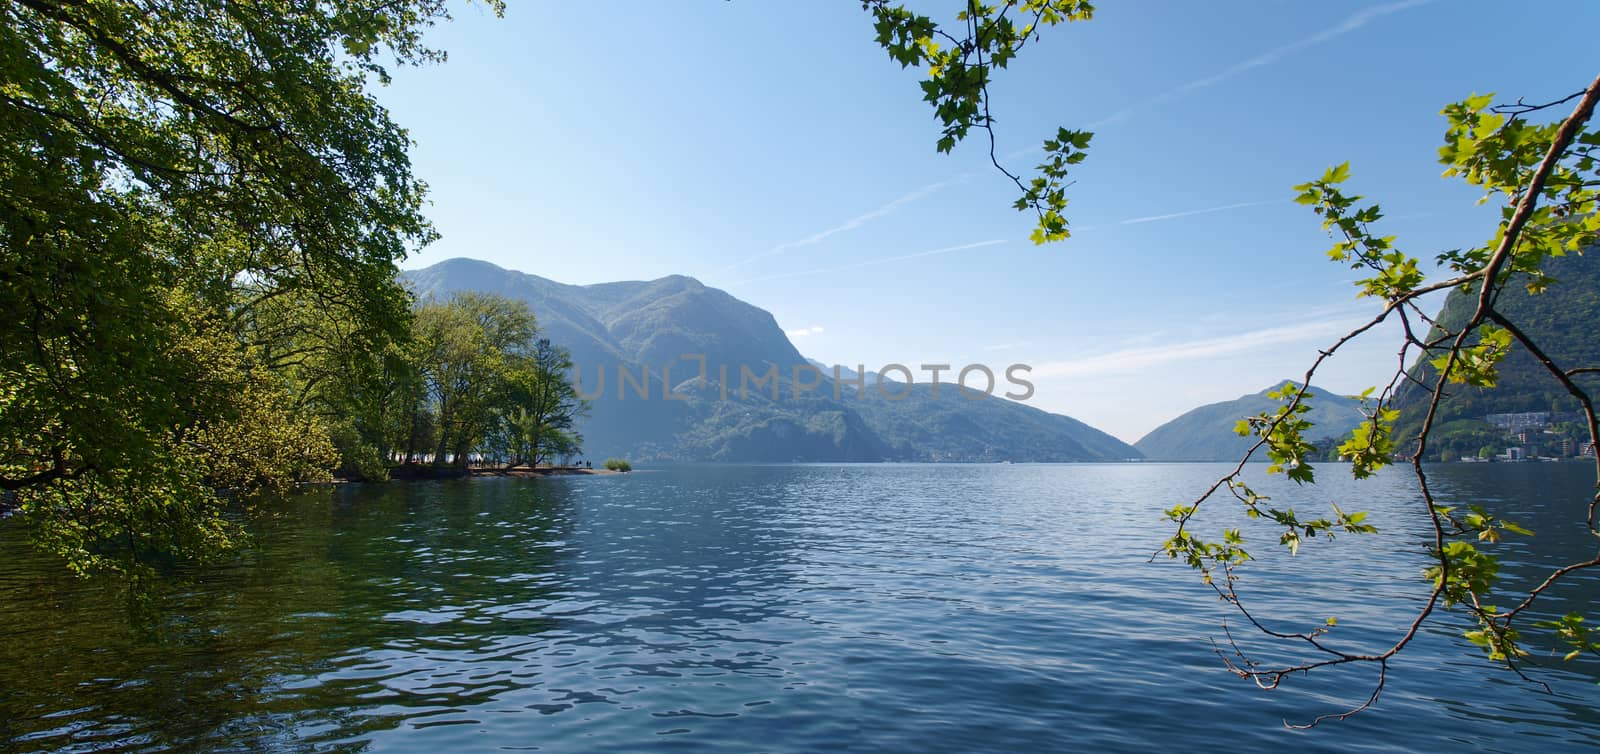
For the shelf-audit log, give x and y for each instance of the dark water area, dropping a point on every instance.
(892, 608)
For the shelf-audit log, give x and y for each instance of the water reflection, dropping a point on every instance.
(739, 608)
(351, 594)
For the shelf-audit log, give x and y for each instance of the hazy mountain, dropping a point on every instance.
(1206, 433)
(954, 427)
(636, 326)
(652, 322)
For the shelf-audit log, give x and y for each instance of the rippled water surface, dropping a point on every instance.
(774, 608)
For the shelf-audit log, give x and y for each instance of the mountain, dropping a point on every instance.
(1206, 433)
(951, 427)
(650, 322)
(639, 333)
(1560, 320)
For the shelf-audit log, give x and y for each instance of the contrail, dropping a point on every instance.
(848, 225)
(1351, 23)
(1192, 212)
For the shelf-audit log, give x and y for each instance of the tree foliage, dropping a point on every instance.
(540, 425)
(960, 64)
(169, 172)
(482, 385)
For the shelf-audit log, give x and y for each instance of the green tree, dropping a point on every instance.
(464, 347)
(351, 377)
(491, 388)
(166, 168)
(546, 405)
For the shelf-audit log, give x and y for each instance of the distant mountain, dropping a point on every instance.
(650, 322)
(1561, 320)
(636, 326)
(952, 427)
(1206, 433)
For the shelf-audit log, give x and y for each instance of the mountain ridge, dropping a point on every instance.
(1559, 320)
(642, 328)
(1206, 433)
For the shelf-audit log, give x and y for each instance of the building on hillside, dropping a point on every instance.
(1521, 422)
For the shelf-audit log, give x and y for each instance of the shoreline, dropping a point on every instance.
(421, 472)
(524, 471)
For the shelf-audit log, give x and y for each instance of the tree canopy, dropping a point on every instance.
(169, 172)
(490, 387)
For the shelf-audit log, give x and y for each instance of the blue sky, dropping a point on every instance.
(773, 150)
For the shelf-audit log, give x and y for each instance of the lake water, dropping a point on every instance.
(894, 608)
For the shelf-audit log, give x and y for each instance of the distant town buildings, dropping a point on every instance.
(1519, 422)
(1537, 435)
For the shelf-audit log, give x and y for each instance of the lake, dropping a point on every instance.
(789, 608)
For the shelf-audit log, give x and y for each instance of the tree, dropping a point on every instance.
(547, 405)
(491, 388)
(350, 377)
(467, 347)
(166, 170)
(1545, 176)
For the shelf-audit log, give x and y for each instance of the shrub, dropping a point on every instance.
(617, 464)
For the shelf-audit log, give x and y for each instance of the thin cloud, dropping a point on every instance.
(1177, 215)
(1351, 23)
(804, 331)
(872, 262)
(1113, 119)
(1193, 212)
(1137, 359)
(848, 225)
